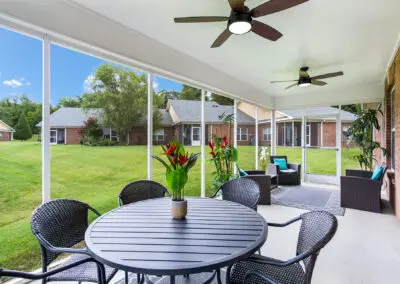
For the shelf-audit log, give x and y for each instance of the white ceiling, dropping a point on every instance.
(356, 37)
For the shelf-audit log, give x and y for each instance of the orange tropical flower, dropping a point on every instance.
(170, 150)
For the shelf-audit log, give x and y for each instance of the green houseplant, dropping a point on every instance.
(361, 132)
(177, 167)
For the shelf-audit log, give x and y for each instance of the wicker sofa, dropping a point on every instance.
(264, 182)
(290, 177)
(359, 191)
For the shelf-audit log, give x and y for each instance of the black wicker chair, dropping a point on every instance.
(141, 190)
(59, 225)
(285, 177)
(317, 229)
(242, 190)
(39, 276)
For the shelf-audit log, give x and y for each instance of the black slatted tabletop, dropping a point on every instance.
(143, 238)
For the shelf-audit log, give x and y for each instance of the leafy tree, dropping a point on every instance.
(190, 93)
(122, 95)
(92, 129)
(69, 102)
(22, 129)
(221, 100)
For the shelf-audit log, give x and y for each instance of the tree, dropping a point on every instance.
(190, 93)
(22, 129)
(69, 102)
(122, 96)
(221, 100)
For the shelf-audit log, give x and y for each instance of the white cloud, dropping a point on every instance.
(13, 83)
(155, 85)
(88, 84)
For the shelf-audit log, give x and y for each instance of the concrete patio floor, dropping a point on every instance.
(365, 249)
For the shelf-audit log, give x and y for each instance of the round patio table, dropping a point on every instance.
(143, 238)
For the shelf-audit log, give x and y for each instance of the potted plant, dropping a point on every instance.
(177, 167)
(264, 158)
(361, 132)
(224, 155)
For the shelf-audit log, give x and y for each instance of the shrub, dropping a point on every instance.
(92, 129)
(22, 129)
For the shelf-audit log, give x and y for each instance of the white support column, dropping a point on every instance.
(303, 148)
(202, 143)
(338, 144)
(256, 124)
(235, 131)
(149, 125)
(46, 196)
(273, 133)
(292, 133)
(322, 134)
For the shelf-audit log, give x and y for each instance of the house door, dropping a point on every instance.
(53, 136)
(322, 164)
(195, 136)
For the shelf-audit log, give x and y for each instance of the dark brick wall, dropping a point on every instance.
(74, 135)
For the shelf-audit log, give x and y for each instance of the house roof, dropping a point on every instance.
(190, 111)
(324, 113)
(74, 117)
(4, 127)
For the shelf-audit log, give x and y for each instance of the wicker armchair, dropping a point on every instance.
(288, 177)
(39, 276)
(359, 191)
(141, 190)
(59, 225)
(316, 230)
(242, 190)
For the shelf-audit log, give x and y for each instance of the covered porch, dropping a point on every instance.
(365, 249)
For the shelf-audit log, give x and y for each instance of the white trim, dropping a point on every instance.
(256, 125)
(6, 125)
(149, 126)
(235, 103)
(338, 145)
(303, 148)
(56, 140)
(198, 142)
(396, 47)
(292, 133)
(308, 126)
(322, 134)
(65, 136)
(240, 134)
(273, 132)
(46, 191)
(202, 143)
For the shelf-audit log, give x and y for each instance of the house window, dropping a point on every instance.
(346, 134)
(267, 134)
(242, 134)
(1, 135)
(158, 135)
(393, 131)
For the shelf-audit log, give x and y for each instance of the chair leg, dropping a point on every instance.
(126, 277)
(228, 275)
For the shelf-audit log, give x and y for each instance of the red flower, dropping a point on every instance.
(211, 144)
(170, 150)
(183, 158)
(224, 143)
(212, 154)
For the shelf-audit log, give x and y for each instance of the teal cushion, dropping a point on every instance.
(376, 175)
(281, 163)
(242, 173)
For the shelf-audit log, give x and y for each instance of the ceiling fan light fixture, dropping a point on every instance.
(239, 23)
(304, 84)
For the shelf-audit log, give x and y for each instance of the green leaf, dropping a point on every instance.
(162, 162)
(176, 180)
(235, 155)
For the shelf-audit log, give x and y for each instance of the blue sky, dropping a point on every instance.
(21, 69)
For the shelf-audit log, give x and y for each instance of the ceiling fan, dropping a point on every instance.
(305, 79)
(241, 19)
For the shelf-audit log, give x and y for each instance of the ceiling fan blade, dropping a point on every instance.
(274, 6)
(283, 81)
(328, 75)
(291, 86)
(200, 19)
(265, 31)
(237, 5)
(318, 83)
(221, 38)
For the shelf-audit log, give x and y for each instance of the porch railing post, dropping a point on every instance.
(256, 142)
(46, 194)
(235, 131)
(273, 133)
(303, 148)
(149, 125)
(339, 143)
(203, 141)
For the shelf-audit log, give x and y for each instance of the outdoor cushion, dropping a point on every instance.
(281, 164)
(242, 173)
(288, 171)
(376, 175)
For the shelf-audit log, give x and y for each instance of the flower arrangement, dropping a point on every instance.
(177, 167)
(224, 155)
(263, 156)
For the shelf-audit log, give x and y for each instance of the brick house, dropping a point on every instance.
(389, 136)
(181, 121)
(6, 132)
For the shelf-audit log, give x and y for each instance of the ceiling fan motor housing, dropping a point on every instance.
(304, 80)
(240, 17)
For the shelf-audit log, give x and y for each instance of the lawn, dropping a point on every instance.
(94, 175)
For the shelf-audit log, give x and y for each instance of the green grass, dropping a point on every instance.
(91, 174)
